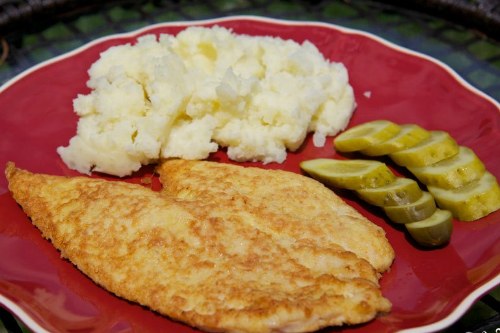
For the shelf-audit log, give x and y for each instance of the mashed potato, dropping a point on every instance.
(187, 95)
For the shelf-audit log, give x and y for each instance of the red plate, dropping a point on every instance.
(429, 289)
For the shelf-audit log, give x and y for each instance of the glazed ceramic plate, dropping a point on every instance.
(429, 289)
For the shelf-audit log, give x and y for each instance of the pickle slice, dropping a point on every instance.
(472, 201)
(409, 136)
(439, 146)
(361, 136)
(452, 172)
(400, 192)
(412, 212)
(349, 174)
(433, 231)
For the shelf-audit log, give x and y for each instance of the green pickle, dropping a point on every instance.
(412, 212)
(399, 192)
(349, 174)
(433, 231)
(362, 136)
(452, 172)
(472, 201)
(409, 136)
(439, 146)
(458, 183)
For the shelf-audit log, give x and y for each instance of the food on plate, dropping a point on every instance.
(452, 172)
(399, 192)
(392, 196)
(203, 261)
(437, 147)
(433, 231)
(349, 174)
(408, 136)
(365, 135)
(418, 210)
(187, 95)
(471, 201)
(291, 208)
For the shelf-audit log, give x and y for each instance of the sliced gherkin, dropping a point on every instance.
(452, 172)
(409, 136)
(399, 192)
(472, 201)
(349, 174)
(362, 136)
(439, 146)
(433, 231)
(412, 212)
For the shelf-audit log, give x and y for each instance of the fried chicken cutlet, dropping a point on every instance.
(288, 205)
(191, 260)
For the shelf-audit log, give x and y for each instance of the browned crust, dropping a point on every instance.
(288, 204)
(193, 261)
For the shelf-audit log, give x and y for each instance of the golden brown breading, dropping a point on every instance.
(196, 262)
(288, 205)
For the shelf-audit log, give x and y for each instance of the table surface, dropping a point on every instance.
(31, 35)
